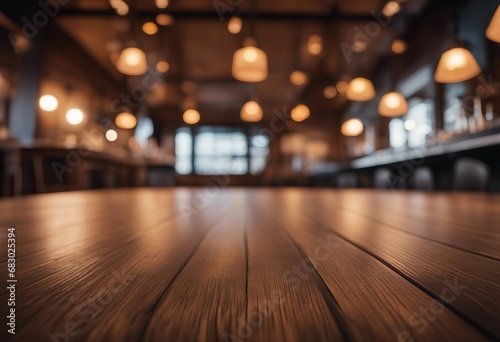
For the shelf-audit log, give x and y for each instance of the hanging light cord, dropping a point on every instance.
(253, 15)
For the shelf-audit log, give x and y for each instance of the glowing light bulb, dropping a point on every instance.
(111, 135)
(392, 101)
(48, 103)
(358, 86)
(162, 66)
(191, 116)
(234, 25)
(352, 128)
(330, 92)
(455, 60)
(250, 55)
(74, 116)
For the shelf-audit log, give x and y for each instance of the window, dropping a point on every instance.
(418, 123)
(259, 150)
(183, 151)
(217, 152)
(413, 128)
(220, 150)
(397, 133)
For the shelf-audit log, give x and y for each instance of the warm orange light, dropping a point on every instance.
(164, 19)
(121, 8)
(360, 89)
(352, 128)
(161, 3)
(493, 30)
(191, 116)
(398, 46)
(456, 65)
(342, 86)
(249, 64)
(149, 28)
(314, 45)
(300, 113)
(330, 92)
(391, 8)
(251, 112)
(125, 120)
(298, 78)
(132, 61)
(392, 104)
(234, 25)
(162, 66)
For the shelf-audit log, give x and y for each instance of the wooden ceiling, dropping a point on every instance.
(199, 49)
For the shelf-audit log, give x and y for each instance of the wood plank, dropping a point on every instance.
(377, 303)
(131, 265)
(106, 290)
(464, 221)
(430, 266)
(278, 311)
(207, 300)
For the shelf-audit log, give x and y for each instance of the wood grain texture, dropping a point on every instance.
(254, 265)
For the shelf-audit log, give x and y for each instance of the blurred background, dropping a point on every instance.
(331, 93)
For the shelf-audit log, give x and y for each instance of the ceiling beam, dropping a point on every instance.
(213, 15)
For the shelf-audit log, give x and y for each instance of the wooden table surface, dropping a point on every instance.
(215, 264)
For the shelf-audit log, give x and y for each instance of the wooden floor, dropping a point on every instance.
(254, 265)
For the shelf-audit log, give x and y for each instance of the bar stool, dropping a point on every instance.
(470, 174)
(423, 179)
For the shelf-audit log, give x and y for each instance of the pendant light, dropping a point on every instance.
(352, 128)
(48, 103)
(161, 4)
(493, 30)
(234, 25)
(250, 62)
(457, 64)
(300, 112)
(191, 116)
(132, 60)
(251, 112)
(360, 89)
(393, 103)
(315, 45)
(125, 120)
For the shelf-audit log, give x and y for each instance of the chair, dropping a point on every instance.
(470, 174)
(423, 179)
(347, 180)
(382, 179)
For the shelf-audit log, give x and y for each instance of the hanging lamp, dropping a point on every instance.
(300, 112)
(360, 89)
(352, 127)
(250, 62)
(132, 60)
(251, 112)
(457, 64)
(393, 103)
(493, 30)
